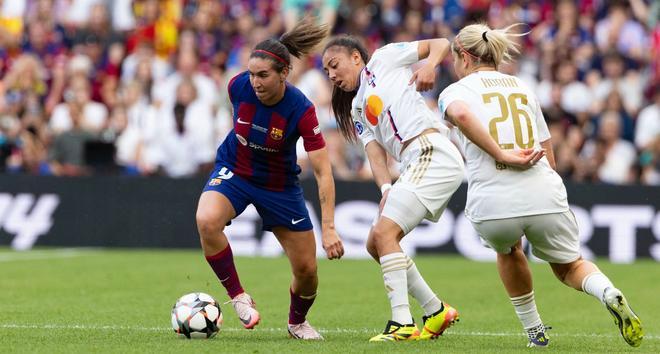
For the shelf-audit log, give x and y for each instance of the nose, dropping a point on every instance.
(332, 76)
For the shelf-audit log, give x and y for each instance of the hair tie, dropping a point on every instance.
(483, 35)
(272, 55)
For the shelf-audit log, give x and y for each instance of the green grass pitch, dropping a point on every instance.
(97, 301)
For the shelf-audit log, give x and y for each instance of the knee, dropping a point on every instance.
(208, 223)
(305, 271)
(380, 236)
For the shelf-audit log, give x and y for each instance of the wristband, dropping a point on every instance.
(385, 187)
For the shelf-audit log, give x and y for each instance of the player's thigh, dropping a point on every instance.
(554, 237)
(499, 234)
(433, 172)
(300, 247)
(214, 207)
(404, 209)
(286, 209)
(222, 199)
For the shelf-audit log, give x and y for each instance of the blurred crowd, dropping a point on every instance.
(138, 87)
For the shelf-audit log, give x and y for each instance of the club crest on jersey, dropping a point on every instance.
(276, 133)
(359, 128)
(215, 181)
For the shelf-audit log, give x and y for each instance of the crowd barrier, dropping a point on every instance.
(620, 223)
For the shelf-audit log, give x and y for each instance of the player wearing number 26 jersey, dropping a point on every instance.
(507, 202)
(510, 111)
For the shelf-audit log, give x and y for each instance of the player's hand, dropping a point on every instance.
(424, 78)
(332, 244)
(522, 159)
(382, 201)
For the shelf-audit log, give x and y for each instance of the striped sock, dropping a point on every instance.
(525, 307)
(393, 267)
(420, 290)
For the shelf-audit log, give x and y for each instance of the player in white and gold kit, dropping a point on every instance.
(504, 204)
(378, 101)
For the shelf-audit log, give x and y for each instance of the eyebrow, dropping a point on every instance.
(258, 72)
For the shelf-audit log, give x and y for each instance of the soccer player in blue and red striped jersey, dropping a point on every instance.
(256, 164)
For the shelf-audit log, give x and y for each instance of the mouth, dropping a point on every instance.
(339, 84)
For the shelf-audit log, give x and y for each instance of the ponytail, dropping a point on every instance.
(486, 45)
(300, 41)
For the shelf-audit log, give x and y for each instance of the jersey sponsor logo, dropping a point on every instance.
(215, 181)
(317, 130)
(240, 121)
(276, 133)
(374, 109)
(262, 148)
(371, 78)
(241, 139)
(293, 221)
(359, 128)
(259, 128)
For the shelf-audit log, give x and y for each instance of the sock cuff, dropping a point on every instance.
(221, 254)
(522, 299)
(587, 278)
(393, 262)
(304, 297)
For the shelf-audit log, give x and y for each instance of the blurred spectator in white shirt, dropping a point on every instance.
(93, 114)
(164, 92)
(619, 155)
(185, 143)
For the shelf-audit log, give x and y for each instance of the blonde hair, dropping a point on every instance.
(486, 45)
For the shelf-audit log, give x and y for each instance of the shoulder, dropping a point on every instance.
(239, 80)
(296, 99)
(237, 84)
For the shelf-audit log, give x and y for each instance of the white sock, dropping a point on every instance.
(595, 284)
(525, 307)
(421, 291)
(393, 266)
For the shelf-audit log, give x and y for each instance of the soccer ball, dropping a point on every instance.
(196, 315)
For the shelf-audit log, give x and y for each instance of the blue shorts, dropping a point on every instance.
(286, 208)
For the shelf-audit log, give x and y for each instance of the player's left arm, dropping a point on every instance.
(434, 51)
(320, 162)
(310, 131)
(549, 154)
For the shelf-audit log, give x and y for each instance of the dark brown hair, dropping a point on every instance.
(341, 100)
(298, 42)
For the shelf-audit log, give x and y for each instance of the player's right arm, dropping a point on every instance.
(458, 113)
(378, 161)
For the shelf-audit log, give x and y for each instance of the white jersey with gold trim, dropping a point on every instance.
(386, 108)
(511, 113)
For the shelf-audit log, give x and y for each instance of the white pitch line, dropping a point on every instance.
(277, 330)
(39, 255)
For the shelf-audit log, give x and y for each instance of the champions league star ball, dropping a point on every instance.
(196, 315)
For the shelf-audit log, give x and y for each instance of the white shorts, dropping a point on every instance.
(432, 170)
(554, 237)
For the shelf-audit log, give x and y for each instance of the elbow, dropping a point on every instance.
(443, 42)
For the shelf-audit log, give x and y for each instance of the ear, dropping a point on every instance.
(284, 74)
(355, 57)
(467, 60)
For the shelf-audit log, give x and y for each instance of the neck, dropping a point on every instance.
(481, 68)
